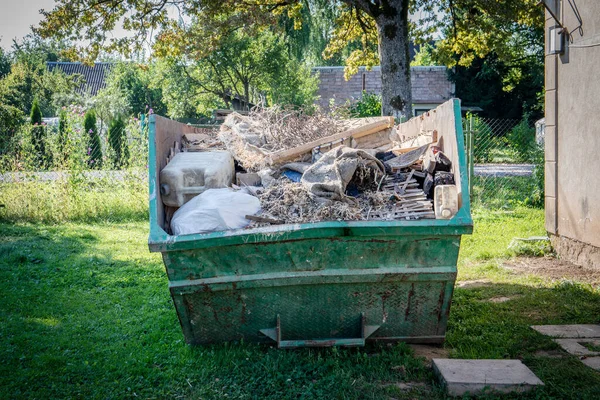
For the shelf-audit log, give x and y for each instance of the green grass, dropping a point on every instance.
(76, 199)
(86, 313)
(506, 193)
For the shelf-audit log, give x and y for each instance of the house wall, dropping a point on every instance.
(430, 85)
(572, 136)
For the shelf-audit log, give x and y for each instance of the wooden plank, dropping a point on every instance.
(368, 129)
(419, 140)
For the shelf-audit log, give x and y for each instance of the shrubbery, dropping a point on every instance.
(94, 144)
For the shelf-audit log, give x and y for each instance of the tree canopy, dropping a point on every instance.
(370, 32)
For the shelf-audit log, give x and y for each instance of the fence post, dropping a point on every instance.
(142, 122)
(471, 167)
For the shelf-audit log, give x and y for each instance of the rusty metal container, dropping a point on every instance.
(317, 284)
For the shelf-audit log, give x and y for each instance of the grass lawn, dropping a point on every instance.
(86, 313)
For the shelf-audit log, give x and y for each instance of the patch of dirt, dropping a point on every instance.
(474, 283)
(500, 299)
(429, 351)
(406, 386)
(554, 269)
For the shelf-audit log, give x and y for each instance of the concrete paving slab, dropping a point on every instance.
(592, 362)
(474, 376)
(569, 331)
(577, 347)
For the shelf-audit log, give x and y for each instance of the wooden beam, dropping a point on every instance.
(368, 129)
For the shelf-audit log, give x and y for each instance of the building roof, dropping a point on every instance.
(95, 76)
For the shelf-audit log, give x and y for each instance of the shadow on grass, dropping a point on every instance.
(492, 321)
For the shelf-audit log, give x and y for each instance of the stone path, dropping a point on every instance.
(582, 341)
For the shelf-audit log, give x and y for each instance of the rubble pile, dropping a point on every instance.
(304, 168)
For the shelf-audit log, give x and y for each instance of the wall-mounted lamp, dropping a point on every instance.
(556, 34)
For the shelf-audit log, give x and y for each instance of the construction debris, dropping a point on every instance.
(202, 141)
(310, 168)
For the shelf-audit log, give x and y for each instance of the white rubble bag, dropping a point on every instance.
(214, 210)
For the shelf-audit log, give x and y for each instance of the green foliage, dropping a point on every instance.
(94, 144)
(489, 83)
(537, 194)
(368, 106)
(242, 71)
(34, 50)
(521, 140)
(129, 92)
(424, 57)
(62, 136)
(11, 119)
(117, 140)
(68, 147)
(483, 138)
(292, 84)
(473, 29)
(36, 113)
(307, 42)
(27, 81)
(530, 248)
(4, 63)
(38, 134)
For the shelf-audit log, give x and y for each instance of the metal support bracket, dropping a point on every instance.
(275, 334)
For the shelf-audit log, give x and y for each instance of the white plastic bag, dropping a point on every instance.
(214, 210)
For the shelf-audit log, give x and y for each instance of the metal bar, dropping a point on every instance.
(366, 331)
(471, 152)
(294, 344)
(335, 276)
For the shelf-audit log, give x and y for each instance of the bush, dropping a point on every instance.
(94, 144)
(484, 140)
(38, 134)
(521, 140)
(11, 119)
(117, 142)
(368, 106)
(538, 159)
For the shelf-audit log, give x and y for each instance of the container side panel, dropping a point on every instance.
(313, 255)
(402, 306)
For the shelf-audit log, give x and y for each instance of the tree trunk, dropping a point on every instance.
(394, 59)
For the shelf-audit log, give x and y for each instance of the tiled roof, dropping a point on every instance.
(95, 77)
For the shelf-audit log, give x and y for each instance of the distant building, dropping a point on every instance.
(94, 76)
(430, 86)
(572, 131)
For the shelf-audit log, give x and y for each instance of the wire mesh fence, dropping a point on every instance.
(68, 170)
(505, 163)
(75, 168)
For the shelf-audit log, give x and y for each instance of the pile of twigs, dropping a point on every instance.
(289, 202)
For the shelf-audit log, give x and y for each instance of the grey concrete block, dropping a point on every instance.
(569, 331)
(474, 376)
(592, 362)
(576, 347)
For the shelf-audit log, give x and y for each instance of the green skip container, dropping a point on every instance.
(335, 283)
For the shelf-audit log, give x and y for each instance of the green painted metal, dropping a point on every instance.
(318, 284)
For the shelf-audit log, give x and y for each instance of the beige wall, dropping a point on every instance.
(572, 134)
